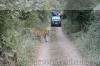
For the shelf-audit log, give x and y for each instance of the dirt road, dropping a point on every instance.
(59, 52)
(71, 54)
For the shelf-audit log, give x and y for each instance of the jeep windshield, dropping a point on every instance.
(56, 18)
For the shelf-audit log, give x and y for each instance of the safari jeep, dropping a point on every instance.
(55, 21)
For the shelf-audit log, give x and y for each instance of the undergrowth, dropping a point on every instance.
(15, 37)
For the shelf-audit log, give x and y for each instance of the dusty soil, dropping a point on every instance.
(59, 52)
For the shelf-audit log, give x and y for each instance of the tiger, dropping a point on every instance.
(42, 33)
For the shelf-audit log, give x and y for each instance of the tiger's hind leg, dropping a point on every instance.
(39, 37)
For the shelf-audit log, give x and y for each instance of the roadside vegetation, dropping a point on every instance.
(83, 27)
(15, 36)
(17, 47)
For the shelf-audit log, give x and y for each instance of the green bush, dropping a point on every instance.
(78, 20)
(89, 43)
(84, 29)
(14, 38)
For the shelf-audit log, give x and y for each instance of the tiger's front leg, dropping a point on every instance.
(45, 38)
